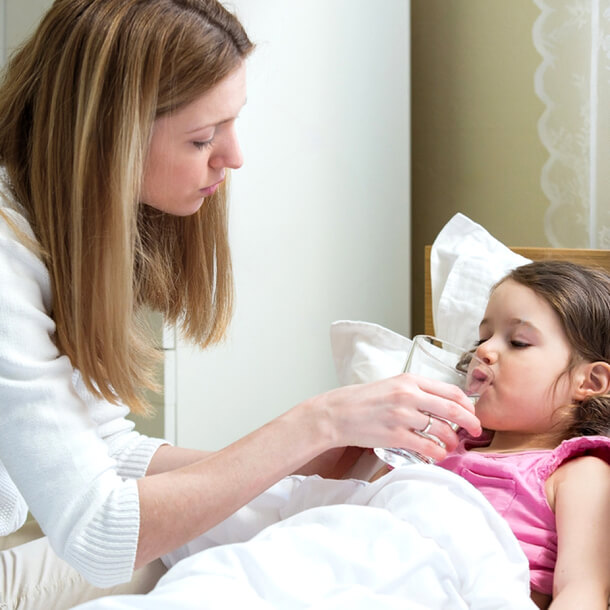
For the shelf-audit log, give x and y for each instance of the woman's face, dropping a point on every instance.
(190, 149)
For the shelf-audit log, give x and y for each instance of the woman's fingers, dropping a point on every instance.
(447, 402)
(431, 447)
(393, 413)
(440, 431)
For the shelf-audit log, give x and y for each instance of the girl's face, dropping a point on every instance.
(522, 339)
(191, 148)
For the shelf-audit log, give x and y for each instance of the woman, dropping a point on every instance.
(117, 128)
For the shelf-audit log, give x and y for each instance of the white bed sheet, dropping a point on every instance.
(420, 537)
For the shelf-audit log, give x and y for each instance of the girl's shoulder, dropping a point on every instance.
(582, 471)
(596, 446)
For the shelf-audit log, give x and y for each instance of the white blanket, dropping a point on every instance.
(420, 537)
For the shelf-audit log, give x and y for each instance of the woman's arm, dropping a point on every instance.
(582, 508)
(181, 503)
(332, 464)
(168, 457)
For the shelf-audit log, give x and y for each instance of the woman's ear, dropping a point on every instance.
(594, 380)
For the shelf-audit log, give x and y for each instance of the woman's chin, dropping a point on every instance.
(187, 208)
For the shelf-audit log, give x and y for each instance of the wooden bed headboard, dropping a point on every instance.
(599, 258)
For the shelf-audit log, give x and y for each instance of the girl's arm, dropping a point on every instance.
(582, 507)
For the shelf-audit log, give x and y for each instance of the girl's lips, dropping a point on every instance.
(479, 375)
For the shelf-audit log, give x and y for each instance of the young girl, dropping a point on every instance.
(544, 463)
(117, 130)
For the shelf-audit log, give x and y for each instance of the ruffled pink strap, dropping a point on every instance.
(598, 446)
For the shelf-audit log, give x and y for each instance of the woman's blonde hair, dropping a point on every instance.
(77, 106)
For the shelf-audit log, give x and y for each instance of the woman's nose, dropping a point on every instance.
(229, 154)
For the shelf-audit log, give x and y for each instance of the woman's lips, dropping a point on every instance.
(210, 190)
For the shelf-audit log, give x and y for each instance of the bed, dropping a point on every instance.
(402, 541)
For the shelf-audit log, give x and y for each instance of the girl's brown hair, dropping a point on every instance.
(77, 105)
(580, 296)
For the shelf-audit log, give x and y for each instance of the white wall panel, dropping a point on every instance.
(320, 212)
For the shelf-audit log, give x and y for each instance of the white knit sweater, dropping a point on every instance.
(70, 458)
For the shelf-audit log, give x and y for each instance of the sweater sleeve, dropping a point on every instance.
(131, 450)
(69, 460)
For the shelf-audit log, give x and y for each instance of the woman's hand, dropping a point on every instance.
(388, 413)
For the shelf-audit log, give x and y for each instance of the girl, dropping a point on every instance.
(117, 131)
(544, 463)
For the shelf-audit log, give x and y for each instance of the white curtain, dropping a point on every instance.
(573, 81)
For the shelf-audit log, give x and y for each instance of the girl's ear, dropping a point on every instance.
(594, 380)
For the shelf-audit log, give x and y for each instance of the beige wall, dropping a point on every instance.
(474, 124)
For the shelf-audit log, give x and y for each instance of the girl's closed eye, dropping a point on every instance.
(517, 343)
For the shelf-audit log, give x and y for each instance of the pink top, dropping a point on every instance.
(514, 484)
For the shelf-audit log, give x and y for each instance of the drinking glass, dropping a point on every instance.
(438, 359)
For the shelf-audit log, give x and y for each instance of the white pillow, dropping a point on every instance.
(363, 351)
(466, 261)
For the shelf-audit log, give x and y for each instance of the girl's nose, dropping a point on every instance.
(486, 352)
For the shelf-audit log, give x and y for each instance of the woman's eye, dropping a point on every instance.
(204, 144)
(519, 344)
(479, 342)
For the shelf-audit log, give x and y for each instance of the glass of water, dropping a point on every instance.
(438, 359)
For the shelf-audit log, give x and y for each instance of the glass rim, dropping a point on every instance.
(465, 356)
